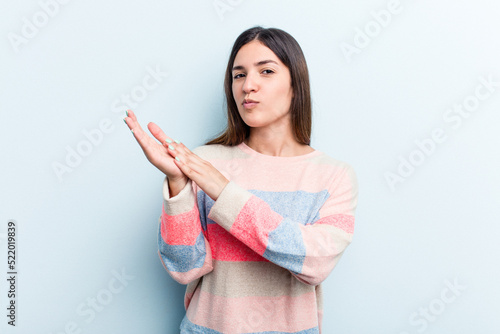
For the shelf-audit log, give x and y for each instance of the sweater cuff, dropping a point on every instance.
(180, 203)
(228, 205)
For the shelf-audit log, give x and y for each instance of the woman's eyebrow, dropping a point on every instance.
(262, 62)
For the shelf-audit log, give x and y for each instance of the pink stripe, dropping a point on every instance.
(341, 221)
(181, 229)
(225, 247)
(320, 255)
(254, 313)
(316, 269)
(254, 223)
(246, 175)
(324, 244)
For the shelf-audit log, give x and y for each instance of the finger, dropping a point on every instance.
(158, 133)
(132, 115)
(183, 148)
(131, 121)
(174, 147)
(178, 147)
(185, 168)
(127, 119)
(191, 158)
(130, 118)
(200, 171)
(184, 155)
(139, 134)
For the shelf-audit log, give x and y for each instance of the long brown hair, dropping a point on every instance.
(286, 48)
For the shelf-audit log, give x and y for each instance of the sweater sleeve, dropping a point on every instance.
(309, 252)
(182, 244)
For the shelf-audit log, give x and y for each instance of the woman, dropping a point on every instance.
(254, 220)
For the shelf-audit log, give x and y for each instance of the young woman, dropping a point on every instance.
(254, 220)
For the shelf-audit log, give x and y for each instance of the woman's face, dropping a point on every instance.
(262, 86)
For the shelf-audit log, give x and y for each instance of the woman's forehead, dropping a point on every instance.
(255, 53)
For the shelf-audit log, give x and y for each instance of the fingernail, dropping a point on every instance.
(177, 158)
(171, 147)
(132, 131)
(126, 112)
(125, 121)
(168, 141)
(178, 142)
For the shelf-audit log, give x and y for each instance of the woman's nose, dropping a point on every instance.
(250, 84)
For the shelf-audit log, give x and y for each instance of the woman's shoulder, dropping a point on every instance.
(335, 171)
(334, 163)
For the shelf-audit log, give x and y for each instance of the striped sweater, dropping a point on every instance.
(253, 260)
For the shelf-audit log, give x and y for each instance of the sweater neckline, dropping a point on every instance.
(247, 149)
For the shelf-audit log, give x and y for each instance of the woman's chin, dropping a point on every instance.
(254, 124)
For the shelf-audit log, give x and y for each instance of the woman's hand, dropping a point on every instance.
(156, 153)
(206, 176)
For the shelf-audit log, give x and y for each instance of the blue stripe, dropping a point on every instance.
(179, 258)
(314, 330)
(301, 206)
(205, 203)
(285, 246)
(187, 327)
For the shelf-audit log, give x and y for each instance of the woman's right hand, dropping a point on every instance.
(156, 153)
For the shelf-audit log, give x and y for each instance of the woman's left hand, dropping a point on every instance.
(202, 172)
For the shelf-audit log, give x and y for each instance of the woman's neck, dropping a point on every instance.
(278, 147)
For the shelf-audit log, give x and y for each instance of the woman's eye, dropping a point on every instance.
(268, 71)
(237, 76)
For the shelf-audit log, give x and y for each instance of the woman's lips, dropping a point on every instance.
(249, 104)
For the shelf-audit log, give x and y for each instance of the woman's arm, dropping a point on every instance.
(309, 252)
(182, 244)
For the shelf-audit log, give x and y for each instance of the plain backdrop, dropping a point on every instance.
(407, 92)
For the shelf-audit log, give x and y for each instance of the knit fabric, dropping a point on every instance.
(254, 259)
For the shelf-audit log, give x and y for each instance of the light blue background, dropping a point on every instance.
(440, 225)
